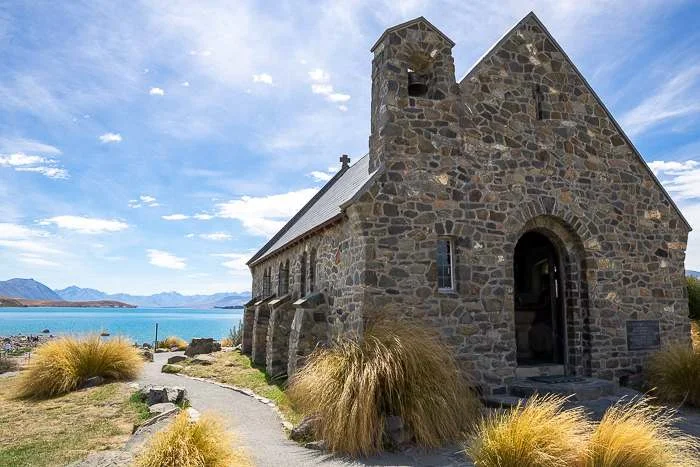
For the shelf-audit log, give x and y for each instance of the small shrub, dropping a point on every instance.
(7, 364)
(62, 365)
(234, 338)
(204, 443)
(539, 433)
(674, 374)
(173, 341)
(693, 285)
(695, 335)
(636, 434)
(397, 369)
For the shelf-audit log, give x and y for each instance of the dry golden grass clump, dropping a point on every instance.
(62, 365)
(203, 443)
(396, 369)
(173, 341)
(674, 374)
(637, 434)
(695, 334)
(539, 433)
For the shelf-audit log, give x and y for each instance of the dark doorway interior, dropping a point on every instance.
(539, 317)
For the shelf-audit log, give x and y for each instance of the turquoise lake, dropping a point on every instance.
(135, 323)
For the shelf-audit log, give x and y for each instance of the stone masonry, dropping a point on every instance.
(521, 144)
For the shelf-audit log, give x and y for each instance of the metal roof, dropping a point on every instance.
(323, 208)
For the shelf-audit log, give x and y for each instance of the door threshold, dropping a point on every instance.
(545, 369)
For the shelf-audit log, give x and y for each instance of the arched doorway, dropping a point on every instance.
(539, 302)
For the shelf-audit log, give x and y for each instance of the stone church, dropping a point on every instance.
(507, 210)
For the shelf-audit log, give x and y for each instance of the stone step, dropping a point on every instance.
(579, 389)
(502, 401)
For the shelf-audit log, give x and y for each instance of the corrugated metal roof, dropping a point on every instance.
(322, 208)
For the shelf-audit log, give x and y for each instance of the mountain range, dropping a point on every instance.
(31, 289)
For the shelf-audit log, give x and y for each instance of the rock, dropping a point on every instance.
(92, 382)
(202, 346)
(146, 345)
(193, 414)
(316, 445)
(203, 359)
(161, 350)
(287, 426)
(159, 394)
(171, 368)
(45, 331)
(105, 459)
(162, 407)
(177, 359)
(305, 430)
(174, 349)
(147, 355)
(176, 395)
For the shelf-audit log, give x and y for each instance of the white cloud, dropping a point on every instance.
(144, 201)
(20, 159)
(163, 259)
(681, 179)
(185, 84)
(324, 89)
(156, 92)
(343, 108)
(262, 78)
(22, 238)
(338, 97)
(328, 91)
(50, 172)
(265, 215)
(23, 145)
(216, 236)
(202, 216)
(36, 260)
(111, 138)
(175, 217)
(321, 176)
(319, 75)
(17, 231)
(86, 225)
(190, 235)
(672, 167)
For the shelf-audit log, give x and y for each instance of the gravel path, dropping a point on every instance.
(260, 429)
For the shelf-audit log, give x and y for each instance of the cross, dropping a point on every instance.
(345, 160)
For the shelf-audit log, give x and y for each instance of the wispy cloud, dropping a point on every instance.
(23, 145)
(144, 201)
(203, 216)
(321, 176)
(21, 162)
(86, 225)
(322, 86)
(110, 138)
(175, 217)
(36, 260)
(265, 215)
(26, 239)
(156, 92)
(262, 78)
(216, 236)
(50, 172)
(681, 179)
(163, 259)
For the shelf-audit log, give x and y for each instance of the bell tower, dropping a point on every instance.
(412, 78)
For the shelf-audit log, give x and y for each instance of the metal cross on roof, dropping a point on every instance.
(345, 160)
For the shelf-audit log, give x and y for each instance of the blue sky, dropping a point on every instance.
(154, 145)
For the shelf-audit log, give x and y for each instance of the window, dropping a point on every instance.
(539, 98)
(283, 279)
(445, 264)
(267, 282)
(302, 274)
(312, 270)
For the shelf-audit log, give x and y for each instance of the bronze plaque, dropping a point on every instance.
(643, 334)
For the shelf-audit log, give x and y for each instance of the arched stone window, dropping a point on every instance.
(283, 279)
(312, 270)
(267, 282)
(302, 275)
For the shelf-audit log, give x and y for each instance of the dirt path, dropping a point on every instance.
(261, 432)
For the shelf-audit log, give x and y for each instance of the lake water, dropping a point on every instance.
(135, 323)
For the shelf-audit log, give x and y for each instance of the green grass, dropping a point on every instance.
(238, 370)
(139, 406)
(63, 429)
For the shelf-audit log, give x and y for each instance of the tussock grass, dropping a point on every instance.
(235, 336)
(204, 443)
(637, 434)
(62, 365)
(674, 374)
(539, 433)
(695, 334)
(398, 369)
(173, 341)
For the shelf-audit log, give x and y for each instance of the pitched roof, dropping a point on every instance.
(617, 126)
(323, 209)
(409, 23)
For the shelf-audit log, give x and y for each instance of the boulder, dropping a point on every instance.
(162, 407)
(202, 346)
(146, 345)
(92, 382)
(161, 350)
(304, 431)
(203, 359)
(176, 395)
(177, 359)
(45, 331)
(159, 394)
(171, 368)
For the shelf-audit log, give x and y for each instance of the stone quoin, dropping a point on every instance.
(507, 210)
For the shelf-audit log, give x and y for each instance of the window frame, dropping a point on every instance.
(451, 258)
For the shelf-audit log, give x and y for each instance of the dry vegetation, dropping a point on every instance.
(173, 341)
(57, 431)
(637, 434)
(674, 374)
(237, 369)
(204, 443)
(235, 336)
(396, 369)
(539, 433)
(62, 365)
(695, 334)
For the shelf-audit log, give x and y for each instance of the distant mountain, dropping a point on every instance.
(27, 288)
(692, 273)
(160, 300)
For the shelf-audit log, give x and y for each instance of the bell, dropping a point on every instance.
(417, 85)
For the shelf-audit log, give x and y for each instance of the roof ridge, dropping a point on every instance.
(408, 23)
(302, 211)
(609, 114)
